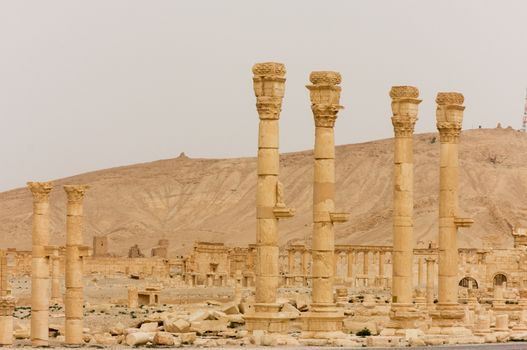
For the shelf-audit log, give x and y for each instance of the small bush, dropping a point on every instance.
(364, 332)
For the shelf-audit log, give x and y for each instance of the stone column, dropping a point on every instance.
(40, 263)
(380, 278)
(449, 116)
(55, 277)
(325, 96)
(7, 303)
(74, 254)
(291, 261)
(365, 263)
(405, 104)
(269, 85)
(350, 264)
(305, 263)
(421, 274)
(430, 285)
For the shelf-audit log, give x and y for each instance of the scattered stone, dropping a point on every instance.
(164, 338)
(139, 338)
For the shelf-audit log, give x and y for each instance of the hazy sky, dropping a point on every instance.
(86, 85)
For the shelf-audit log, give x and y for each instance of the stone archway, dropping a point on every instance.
(499, 279)
(468, 282)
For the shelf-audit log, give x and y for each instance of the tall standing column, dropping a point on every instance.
(74, 253)
(7, 303)
(55, 276)
(430, 264)
(40, 263)
(325, 98)
(405, 104)
(449, 115)
(269, 85)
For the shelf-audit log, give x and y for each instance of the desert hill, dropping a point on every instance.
(185, 199)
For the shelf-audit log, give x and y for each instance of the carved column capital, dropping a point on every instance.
(449, 116)
(325, 97)
(75, 193)
(269, 87)
(405, 104)
(40, 191)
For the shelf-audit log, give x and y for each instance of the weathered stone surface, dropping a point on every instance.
(149, 327)
(139, 338)
(164, 338)
(176, 326)
(230, 309)
(105, 339)
(187, 338)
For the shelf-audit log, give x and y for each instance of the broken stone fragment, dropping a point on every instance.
(164, 338)
(139, 338)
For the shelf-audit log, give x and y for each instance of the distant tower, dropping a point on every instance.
(524, 124)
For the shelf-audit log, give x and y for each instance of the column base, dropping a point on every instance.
(322, 320)
(405, 316)
(7, 306)
(266, 317)
(448, 319)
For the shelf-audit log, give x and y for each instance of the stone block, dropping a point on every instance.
(291, 310)
(351, 326)
(387, 342)
(230, 309)
(188, 338)
(198, 315)
(164, 338)
(149, 327)
(176, 326)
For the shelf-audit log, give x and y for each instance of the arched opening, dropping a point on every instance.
(468, 282)
(499, 279)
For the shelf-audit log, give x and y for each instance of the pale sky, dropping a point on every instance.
(87, 85)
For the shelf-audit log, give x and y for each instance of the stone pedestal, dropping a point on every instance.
(448, 312)
(40, 253)
(269, 85)
(405, 102)
(74, 254)
(324, 316)
(7, 307)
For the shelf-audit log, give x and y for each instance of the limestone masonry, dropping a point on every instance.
(310, 292)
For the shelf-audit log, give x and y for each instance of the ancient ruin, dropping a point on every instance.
(275, 290)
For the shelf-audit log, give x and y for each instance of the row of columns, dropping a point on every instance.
(269, 84)
(42, 254)
(449, 115)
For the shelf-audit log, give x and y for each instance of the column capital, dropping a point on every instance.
(405, 104)
(269, 87)
(449, 115)
(325, 97)
(430, 260)
(40, 191)
(75, 193)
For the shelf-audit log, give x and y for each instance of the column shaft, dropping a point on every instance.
(430, 282)
(404, 108)
(449, 117)
(350, 264)
(40, 263)
(74, 273)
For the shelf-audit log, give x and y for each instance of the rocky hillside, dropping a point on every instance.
(185, 199)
